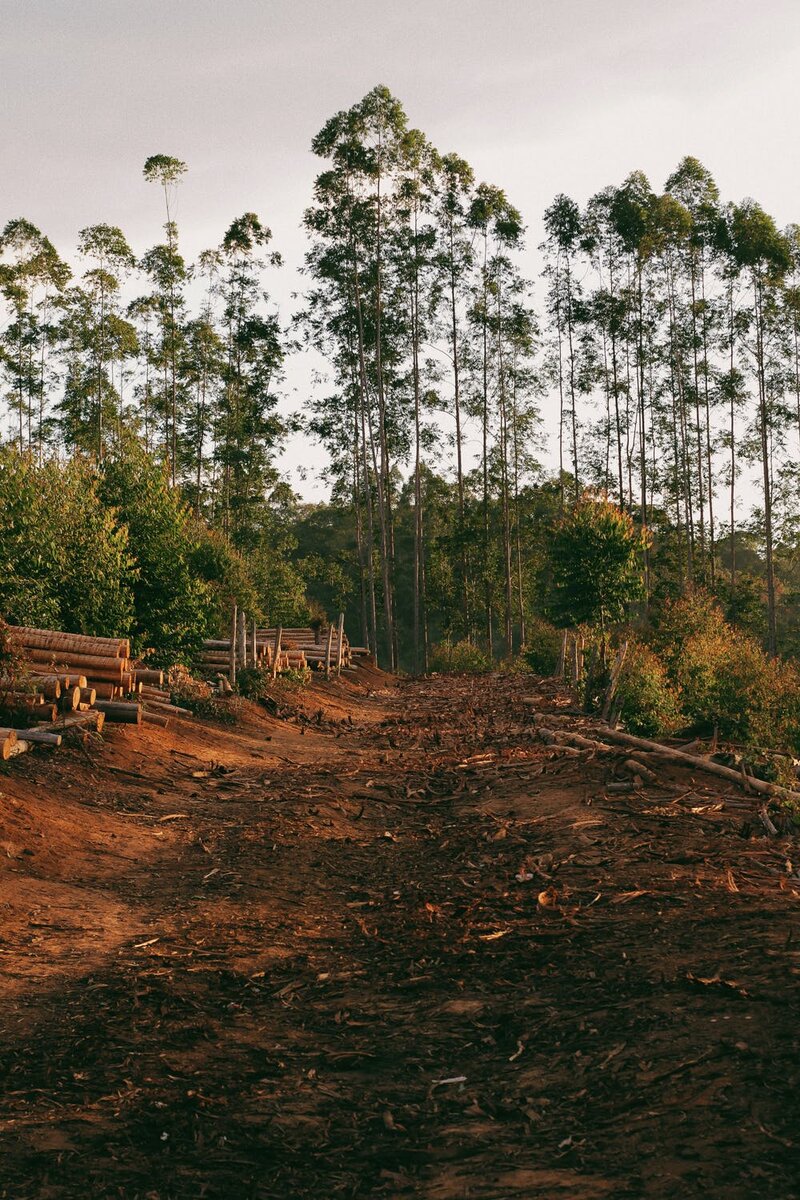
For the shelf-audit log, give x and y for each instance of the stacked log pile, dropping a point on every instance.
(321, 649)
(74, 681)
(275, 649)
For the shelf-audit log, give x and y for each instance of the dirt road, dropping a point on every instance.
(401, 948)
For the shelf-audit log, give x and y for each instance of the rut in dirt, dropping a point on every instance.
(441, 960)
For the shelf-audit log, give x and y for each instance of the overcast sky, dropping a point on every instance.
(541, 96)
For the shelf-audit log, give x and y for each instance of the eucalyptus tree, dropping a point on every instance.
(418, 274)
(562, 221)
(167, 270)
(457, 259)
(607, 311)
(353, 224)
(693, 185)
(247, 427)
(32, 276)
(498, 227)
(764, 254)
(96, 336)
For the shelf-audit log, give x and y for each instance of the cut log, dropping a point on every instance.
(149, 676)
(104, 690)
(41, 737)
(93, 719)
(120, 712)
(50, 639)
(70, 700)
(108, 664)
(160, 706)
(151, 718)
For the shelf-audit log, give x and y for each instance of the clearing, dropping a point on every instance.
(392, 945)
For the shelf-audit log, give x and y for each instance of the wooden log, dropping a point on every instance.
(151, 718)
(175, 709)
(120, 712)
(88, 695)
(20, 747)
(64, 678)
(41, 737)
(50, 686)
(55, 640)
(702, 764)
(93, 719)
(148, 676)
(328, 653)
(639, 769)
(104, 690)
(70, 700)
(18, 698)
(82, 662)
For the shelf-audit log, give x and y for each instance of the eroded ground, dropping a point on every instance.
(294, 959)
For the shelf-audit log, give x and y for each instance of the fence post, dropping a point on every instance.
(328, 653)
(234, 626)
(340, 648)
(278, 634)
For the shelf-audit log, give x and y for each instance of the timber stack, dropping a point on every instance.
(276, 649)
(72, 681)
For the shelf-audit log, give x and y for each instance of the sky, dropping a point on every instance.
(540, 96)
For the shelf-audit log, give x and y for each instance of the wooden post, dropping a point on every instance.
(328, 653)
(243, 639)
(278, 633)
(575, 661)
(340, 648)
(562, 658)
(234, 625)
(254, 645)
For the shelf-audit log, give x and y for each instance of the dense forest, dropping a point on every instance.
(139, 482)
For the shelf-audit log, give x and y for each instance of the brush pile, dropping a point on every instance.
(71, 681)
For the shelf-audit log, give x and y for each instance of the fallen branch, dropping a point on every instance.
(704, 764)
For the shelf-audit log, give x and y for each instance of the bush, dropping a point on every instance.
(542, 646)
(253, 682)
(724, 678)
(173, 607)
(455, 658)
(64, 556)
(648, 703)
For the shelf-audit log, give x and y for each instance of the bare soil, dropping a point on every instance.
(391, 945)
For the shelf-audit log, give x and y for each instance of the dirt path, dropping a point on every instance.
(402, 949)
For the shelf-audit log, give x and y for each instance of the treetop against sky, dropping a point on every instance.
(542, 97)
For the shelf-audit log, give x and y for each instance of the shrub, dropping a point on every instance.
(456, 657)
(253, 682)
(64, 557)
(542, 646)
(173, 607)
(724, 678)
(648, 703)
